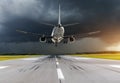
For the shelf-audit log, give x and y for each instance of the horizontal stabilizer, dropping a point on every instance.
(71, 24)
(48, 24)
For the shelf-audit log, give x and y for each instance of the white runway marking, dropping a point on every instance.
(57, 63)
(116, 66)
(60, 74)
(56, 59)
(77, 58)
(3, 67)
(82, 58)
(59, 71)
(30, 59)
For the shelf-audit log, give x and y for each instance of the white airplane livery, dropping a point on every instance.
(58, 33)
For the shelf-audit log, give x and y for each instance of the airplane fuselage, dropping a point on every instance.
(58, 33)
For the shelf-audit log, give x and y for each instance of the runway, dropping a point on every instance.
(62, 69)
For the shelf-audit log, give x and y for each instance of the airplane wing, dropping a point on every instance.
(34, 34)
(48, 24)
(86, 34)
(25, 32)
(67, 25)
(78, 36)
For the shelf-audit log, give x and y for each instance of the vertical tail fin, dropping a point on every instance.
(59, 15)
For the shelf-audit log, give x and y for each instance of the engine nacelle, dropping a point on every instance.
(42, 39)
(69, 40)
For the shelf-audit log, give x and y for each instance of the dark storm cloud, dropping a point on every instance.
(36, 47)
(26, 15)
(103, 15)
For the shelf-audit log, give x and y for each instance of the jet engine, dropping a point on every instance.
(71, 39)
(42, 39)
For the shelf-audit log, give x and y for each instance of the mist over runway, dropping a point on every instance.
(61, 69)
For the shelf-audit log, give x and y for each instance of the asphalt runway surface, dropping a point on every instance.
(62, 69)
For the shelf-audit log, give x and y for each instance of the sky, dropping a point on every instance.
(27, 15)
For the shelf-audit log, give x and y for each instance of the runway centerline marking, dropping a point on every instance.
(116, 66)
(60, 74)
(56, 59)
(59, 71)
(3, 67)
(57, 63)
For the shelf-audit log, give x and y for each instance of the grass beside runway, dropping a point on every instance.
(101, 56)
(10, 57)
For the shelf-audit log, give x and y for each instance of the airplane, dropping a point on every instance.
(58, 33)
